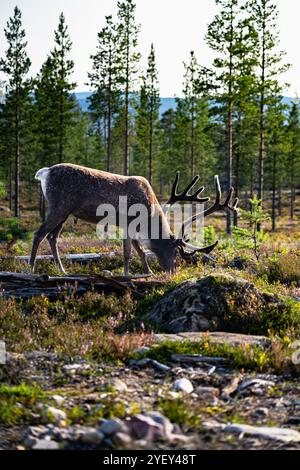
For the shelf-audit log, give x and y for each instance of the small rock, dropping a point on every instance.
(207, 392)
(183, 385)
(30, 441)
(144, 427)
(45, 444)
(59, 400)
(112, 426)
(162, 420)
(293, 420)
(262, 412)
(142, 350)
(118, 385)
(272, 433)
(51, 413)
(159, 366)
(92, 437)
(256, 383)
(121, 439)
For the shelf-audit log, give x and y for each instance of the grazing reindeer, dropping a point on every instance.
(77, 190)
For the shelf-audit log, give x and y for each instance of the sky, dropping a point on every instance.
(174, 26)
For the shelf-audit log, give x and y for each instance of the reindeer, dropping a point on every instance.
(76, 190)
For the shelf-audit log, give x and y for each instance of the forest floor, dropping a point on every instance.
(88, 372)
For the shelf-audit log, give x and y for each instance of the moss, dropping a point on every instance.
(17, 402)
(241, 357)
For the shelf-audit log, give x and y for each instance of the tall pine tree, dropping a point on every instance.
(16, 65)
(127, 31)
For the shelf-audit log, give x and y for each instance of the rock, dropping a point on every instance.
(207, 392)
(59, 400)
(112, 426)
(263, 412)
(118, 385)
(183, 385)
(162, 420)
(218, 301)
(145, 427)
(30, 441)
(146, 361)
(294, 420)
(73, 368)
(256, 383)
(272, 433)
(92, 437)
(54, 414)
(142, 350)
(121, 439)
(159, 366)
(198, 358)
(45, 444)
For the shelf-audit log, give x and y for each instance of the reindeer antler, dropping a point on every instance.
(184, 196)
(217, 206)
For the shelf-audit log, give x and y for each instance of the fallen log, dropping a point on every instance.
(25, 286)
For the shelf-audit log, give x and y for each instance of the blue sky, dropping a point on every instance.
(174, 26)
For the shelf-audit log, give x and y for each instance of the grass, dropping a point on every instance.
(17, 402)
(276, 356)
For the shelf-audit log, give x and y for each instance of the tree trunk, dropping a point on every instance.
(61, 125)
(292, 191)
(261, 151)
(17, 160)
(229, 128)
(274, 177)
(151, 143)
(237, 184)
(126, 152)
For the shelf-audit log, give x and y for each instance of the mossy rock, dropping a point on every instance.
(221, 302)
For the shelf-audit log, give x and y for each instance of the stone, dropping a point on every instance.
(162, 420)
(59, 400)
(121, 439)
(92, 437)
(271, 433)
(51, 413)
(198, 358)
(183, 385)
(256, 383)
(207, 392)
(112, 426)
(145, 427)
(118, 385)
(45, 444)
(263, 412)
(30, 441)
(215, 302)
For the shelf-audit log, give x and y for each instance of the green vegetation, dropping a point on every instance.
(248, 357)
(17, 401)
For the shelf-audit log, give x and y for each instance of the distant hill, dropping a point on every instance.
(166, 103)
(82, 98)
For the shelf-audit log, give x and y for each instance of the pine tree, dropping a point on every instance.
(61, 94)
(16, 65)
(127, 31)
(269, 62)
(293, 155)
(224, 38)
(148, 114)
(276, 148)
(105, 80)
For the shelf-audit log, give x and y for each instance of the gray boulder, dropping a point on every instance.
(217, 302)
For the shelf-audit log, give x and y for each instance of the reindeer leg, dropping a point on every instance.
(48, 226)
(127, 254)
(142, 256)
(52, 238)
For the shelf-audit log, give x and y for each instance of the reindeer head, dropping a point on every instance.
(168, 250)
